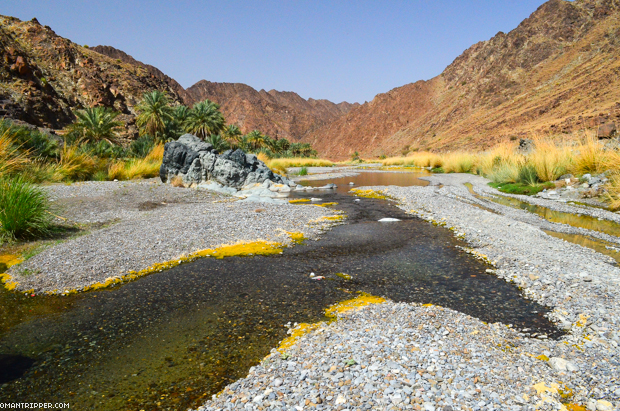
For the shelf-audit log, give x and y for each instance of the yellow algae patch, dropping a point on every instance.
(541, 388)
(353, 304)
(575, 407)
(344, 276)
(326, 204)
(304, 328)
(10, 259)
(583, 320)
(427, 305)
(8, 284)
(299, 200)
(542, 357)
(235, 250)
(301, 329)
(296, 238)
(369, 194)
(338, 217)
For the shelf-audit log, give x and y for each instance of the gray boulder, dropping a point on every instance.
(197, 162)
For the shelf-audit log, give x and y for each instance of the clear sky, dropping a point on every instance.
(338, 50)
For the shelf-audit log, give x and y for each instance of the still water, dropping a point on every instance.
(172, 339)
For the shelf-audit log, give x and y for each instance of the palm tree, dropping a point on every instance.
(233, 135)
(94, 124)
(282, 145)
(218, 143)
(271, 144)
(153, 114)
(302, 150)
(180, 113)
(256, 139)
(245, 144)
(204, 119)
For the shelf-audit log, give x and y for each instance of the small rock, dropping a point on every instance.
(560, 364)
(602, 405)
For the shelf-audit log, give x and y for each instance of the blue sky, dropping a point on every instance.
(340, 50)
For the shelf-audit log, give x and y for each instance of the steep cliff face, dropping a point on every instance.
(44, 77)
(152, 70)
(281, 114)
(558, 71)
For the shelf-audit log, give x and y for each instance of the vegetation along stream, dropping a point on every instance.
(172, 339)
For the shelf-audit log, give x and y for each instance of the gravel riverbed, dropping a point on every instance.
(133, 225)
(406, 356)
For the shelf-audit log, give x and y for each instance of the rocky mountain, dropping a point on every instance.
(557, 72)
(281, 114)
(43, 77)
(152, 70)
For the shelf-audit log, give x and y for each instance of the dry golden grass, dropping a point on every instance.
(418, 159)
(590, 156)
(138, 168)
(73, 165)
(11, 159)
(280, 165)
(458, 162)
(263, 157)
(177, 181)
(550, 160)
(299, 162)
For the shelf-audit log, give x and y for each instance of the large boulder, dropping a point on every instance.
(607, 130)
(196, 162)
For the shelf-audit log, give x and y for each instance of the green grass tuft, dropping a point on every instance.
(24, 209)
(520, 188)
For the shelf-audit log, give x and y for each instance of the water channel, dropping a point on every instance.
(170, 340)
(575, 220)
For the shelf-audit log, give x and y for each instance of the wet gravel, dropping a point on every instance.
(146, 222)
(406, 356)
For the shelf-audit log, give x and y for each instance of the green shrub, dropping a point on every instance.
(24, 209)
(303, 171)
(528, 175)
(140, 147)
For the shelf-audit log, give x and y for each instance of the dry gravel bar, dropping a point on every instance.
(429, 358)
(147, 222)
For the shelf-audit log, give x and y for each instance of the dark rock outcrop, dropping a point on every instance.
(197, 162)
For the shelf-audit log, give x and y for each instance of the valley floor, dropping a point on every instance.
(135, 225)
(407, 356)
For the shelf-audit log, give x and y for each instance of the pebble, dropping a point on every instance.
(147, 222)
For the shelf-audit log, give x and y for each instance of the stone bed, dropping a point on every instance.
(405, 356)
(134, 225)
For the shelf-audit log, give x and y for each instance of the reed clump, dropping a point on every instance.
(547, 160)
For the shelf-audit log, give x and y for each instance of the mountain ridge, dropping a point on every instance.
(45, 77)
(557, 72)
(280, 114)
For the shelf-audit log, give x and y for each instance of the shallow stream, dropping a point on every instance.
(172, 339)
(574, 220)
